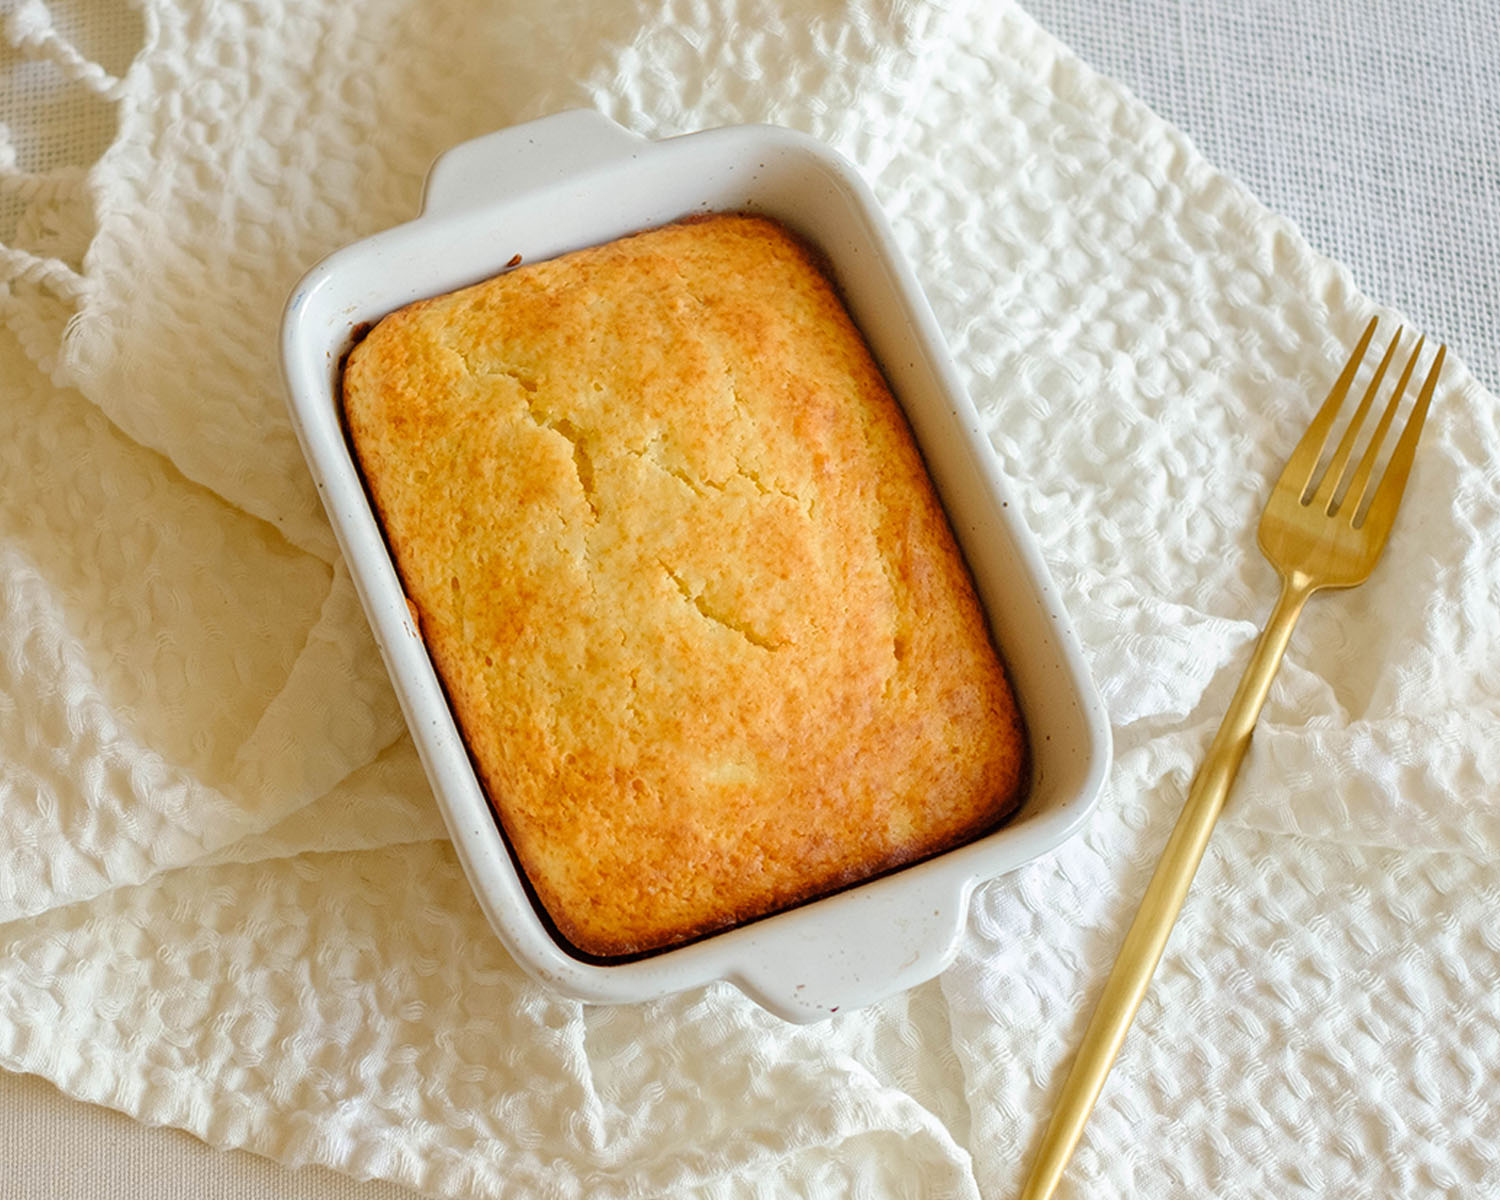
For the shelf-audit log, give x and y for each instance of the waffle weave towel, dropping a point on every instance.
(226, 900)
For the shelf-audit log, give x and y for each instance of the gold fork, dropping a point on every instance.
(1318, 531)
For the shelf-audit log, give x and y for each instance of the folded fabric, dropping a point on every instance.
(227, 900)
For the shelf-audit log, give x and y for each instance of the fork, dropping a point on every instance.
(1319, 530)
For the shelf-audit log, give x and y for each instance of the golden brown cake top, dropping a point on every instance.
(678, 563)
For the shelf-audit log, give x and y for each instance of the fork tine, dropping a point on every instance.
(1382, 511)
(1361, 480)
(1327, 494)
(1304, 460)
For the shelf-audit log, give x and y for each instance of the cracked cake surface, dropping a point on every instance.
(679, 566)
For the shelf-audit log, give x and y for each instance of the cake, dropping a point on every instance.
(678, 564)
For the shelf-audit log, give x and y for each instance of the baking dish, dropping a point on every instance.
(576, 179)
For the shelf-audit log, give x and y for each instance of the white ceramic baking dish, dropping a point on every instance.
(577, 179)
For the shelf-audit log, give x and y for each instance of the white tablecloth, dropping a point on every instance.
(1374, 126)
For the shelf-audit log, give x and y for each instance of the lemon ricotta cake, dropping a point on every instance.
(676, 559)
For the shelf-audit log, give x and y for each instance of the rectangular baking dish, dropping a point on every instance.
(576, 179)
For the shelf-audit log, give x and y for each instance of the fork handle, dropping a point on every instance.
(1164, 896)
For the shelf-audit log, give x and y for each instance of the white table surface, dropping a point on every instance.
(1374, 124)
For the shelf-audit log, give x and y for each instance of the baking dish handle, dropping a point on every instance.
(522, 158)
(853, 949)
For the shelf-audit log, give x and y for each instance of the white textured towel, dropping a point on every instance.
(226, 900)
